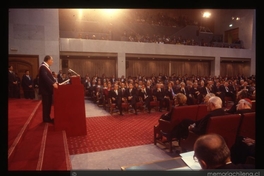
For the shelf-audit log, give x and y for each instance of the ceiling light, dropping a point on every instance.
(206, 14)
(230, 25)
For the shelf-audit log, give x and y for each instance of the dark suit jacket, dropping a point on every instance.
(201, 125)
(168, 93)
(203, 91)
(26, 82)
(46, 81)
(11, 78)
(133, 93)
(159, 95)
(118, 97)
(145, 95)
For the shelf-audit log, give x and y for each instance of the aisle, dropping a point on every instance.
(116, 158)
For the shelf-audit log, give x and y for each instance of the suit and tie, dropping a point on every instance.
(46, 81)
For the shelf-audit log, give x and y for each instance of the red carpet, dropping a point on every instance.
(37, 145)
(19, 112)
(112, 132)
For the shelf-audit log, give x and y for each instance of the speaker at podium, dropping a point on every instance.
(69, 108)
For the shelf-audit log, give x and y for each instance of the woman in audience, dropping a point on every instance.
(179, 100)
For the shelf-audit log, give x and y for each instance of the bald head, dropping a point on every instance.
(211, 149)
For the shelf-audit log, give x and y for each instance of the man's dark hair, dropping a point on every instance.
(46, 58)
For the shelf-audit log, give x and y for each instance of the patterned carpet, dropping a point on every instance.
(112, 132)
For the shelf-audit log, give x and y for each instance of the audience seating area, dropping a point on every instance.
(230, 126)
(164, 128)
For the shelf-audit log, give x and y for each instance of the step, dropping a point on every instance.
(56, 154)
(40, 148)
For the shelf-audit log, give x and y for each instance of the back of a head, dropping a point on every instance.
(180, 99)
(211, 150)
(216, 101)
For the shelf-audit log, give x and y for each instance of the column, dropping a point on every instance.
(121, 64)
(215, 69)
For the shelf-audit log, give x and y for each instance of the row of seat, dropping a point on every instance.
(193, 112)
(229, 126)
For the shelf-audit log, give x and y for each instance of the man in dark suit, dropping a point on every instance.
(169, 96)
(212, 152)
(146, 95)
(46, 85)
(116, 97)
(131, 95)
(12, 82)
(27, 85)
(159, 92)
(218, 90)
(186, 92)
(214, 107)
(228, 92)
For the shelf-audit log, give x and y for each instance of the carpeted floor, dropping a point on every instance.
(112, 132)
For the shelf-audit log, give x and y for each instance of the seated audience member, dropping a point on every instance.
(116, 97)
(244, 147)
(206, 98)
(169, 95)
(159, 92)
(241, 94)
(195, 91)
(244, 105)
(214, 107)
(212, 152)
(146, 95)
(180, 100)
(131, 95)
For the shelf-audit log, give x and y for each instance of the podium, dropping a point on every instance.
(69, 108)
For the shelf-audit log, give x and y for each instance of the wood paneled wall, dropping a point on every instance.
(233, 69)
(154, 67)
(93, 66)
(190, 68)
(147, 68)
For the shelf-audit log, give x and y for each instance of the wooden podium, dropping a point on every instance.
(69, 108)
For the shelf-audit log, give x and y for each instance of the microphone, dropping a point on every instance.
(71, 71)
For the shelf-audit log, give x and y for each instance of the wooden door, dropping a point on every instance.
(21, 63)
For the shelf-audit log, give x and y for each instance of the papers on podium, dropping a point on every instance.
(187, 157)
(65, 82)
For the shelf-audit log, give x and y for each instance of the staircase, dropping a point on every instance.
(32, 144)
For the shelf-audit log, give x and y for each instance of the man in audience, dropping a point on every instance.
(146, 95)
(212, 152)
(244, 147)
(240, 95)
(116, 97)
(214, 107)
(159, 92)
(131, 95)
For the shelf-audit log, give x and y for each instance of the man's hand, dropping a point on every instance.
(55, 85)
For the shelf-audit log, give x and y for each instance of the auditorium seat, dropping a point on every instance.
(248, 125)
(164, 128)
(225, 125)
(154, 104)
(202, 111)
